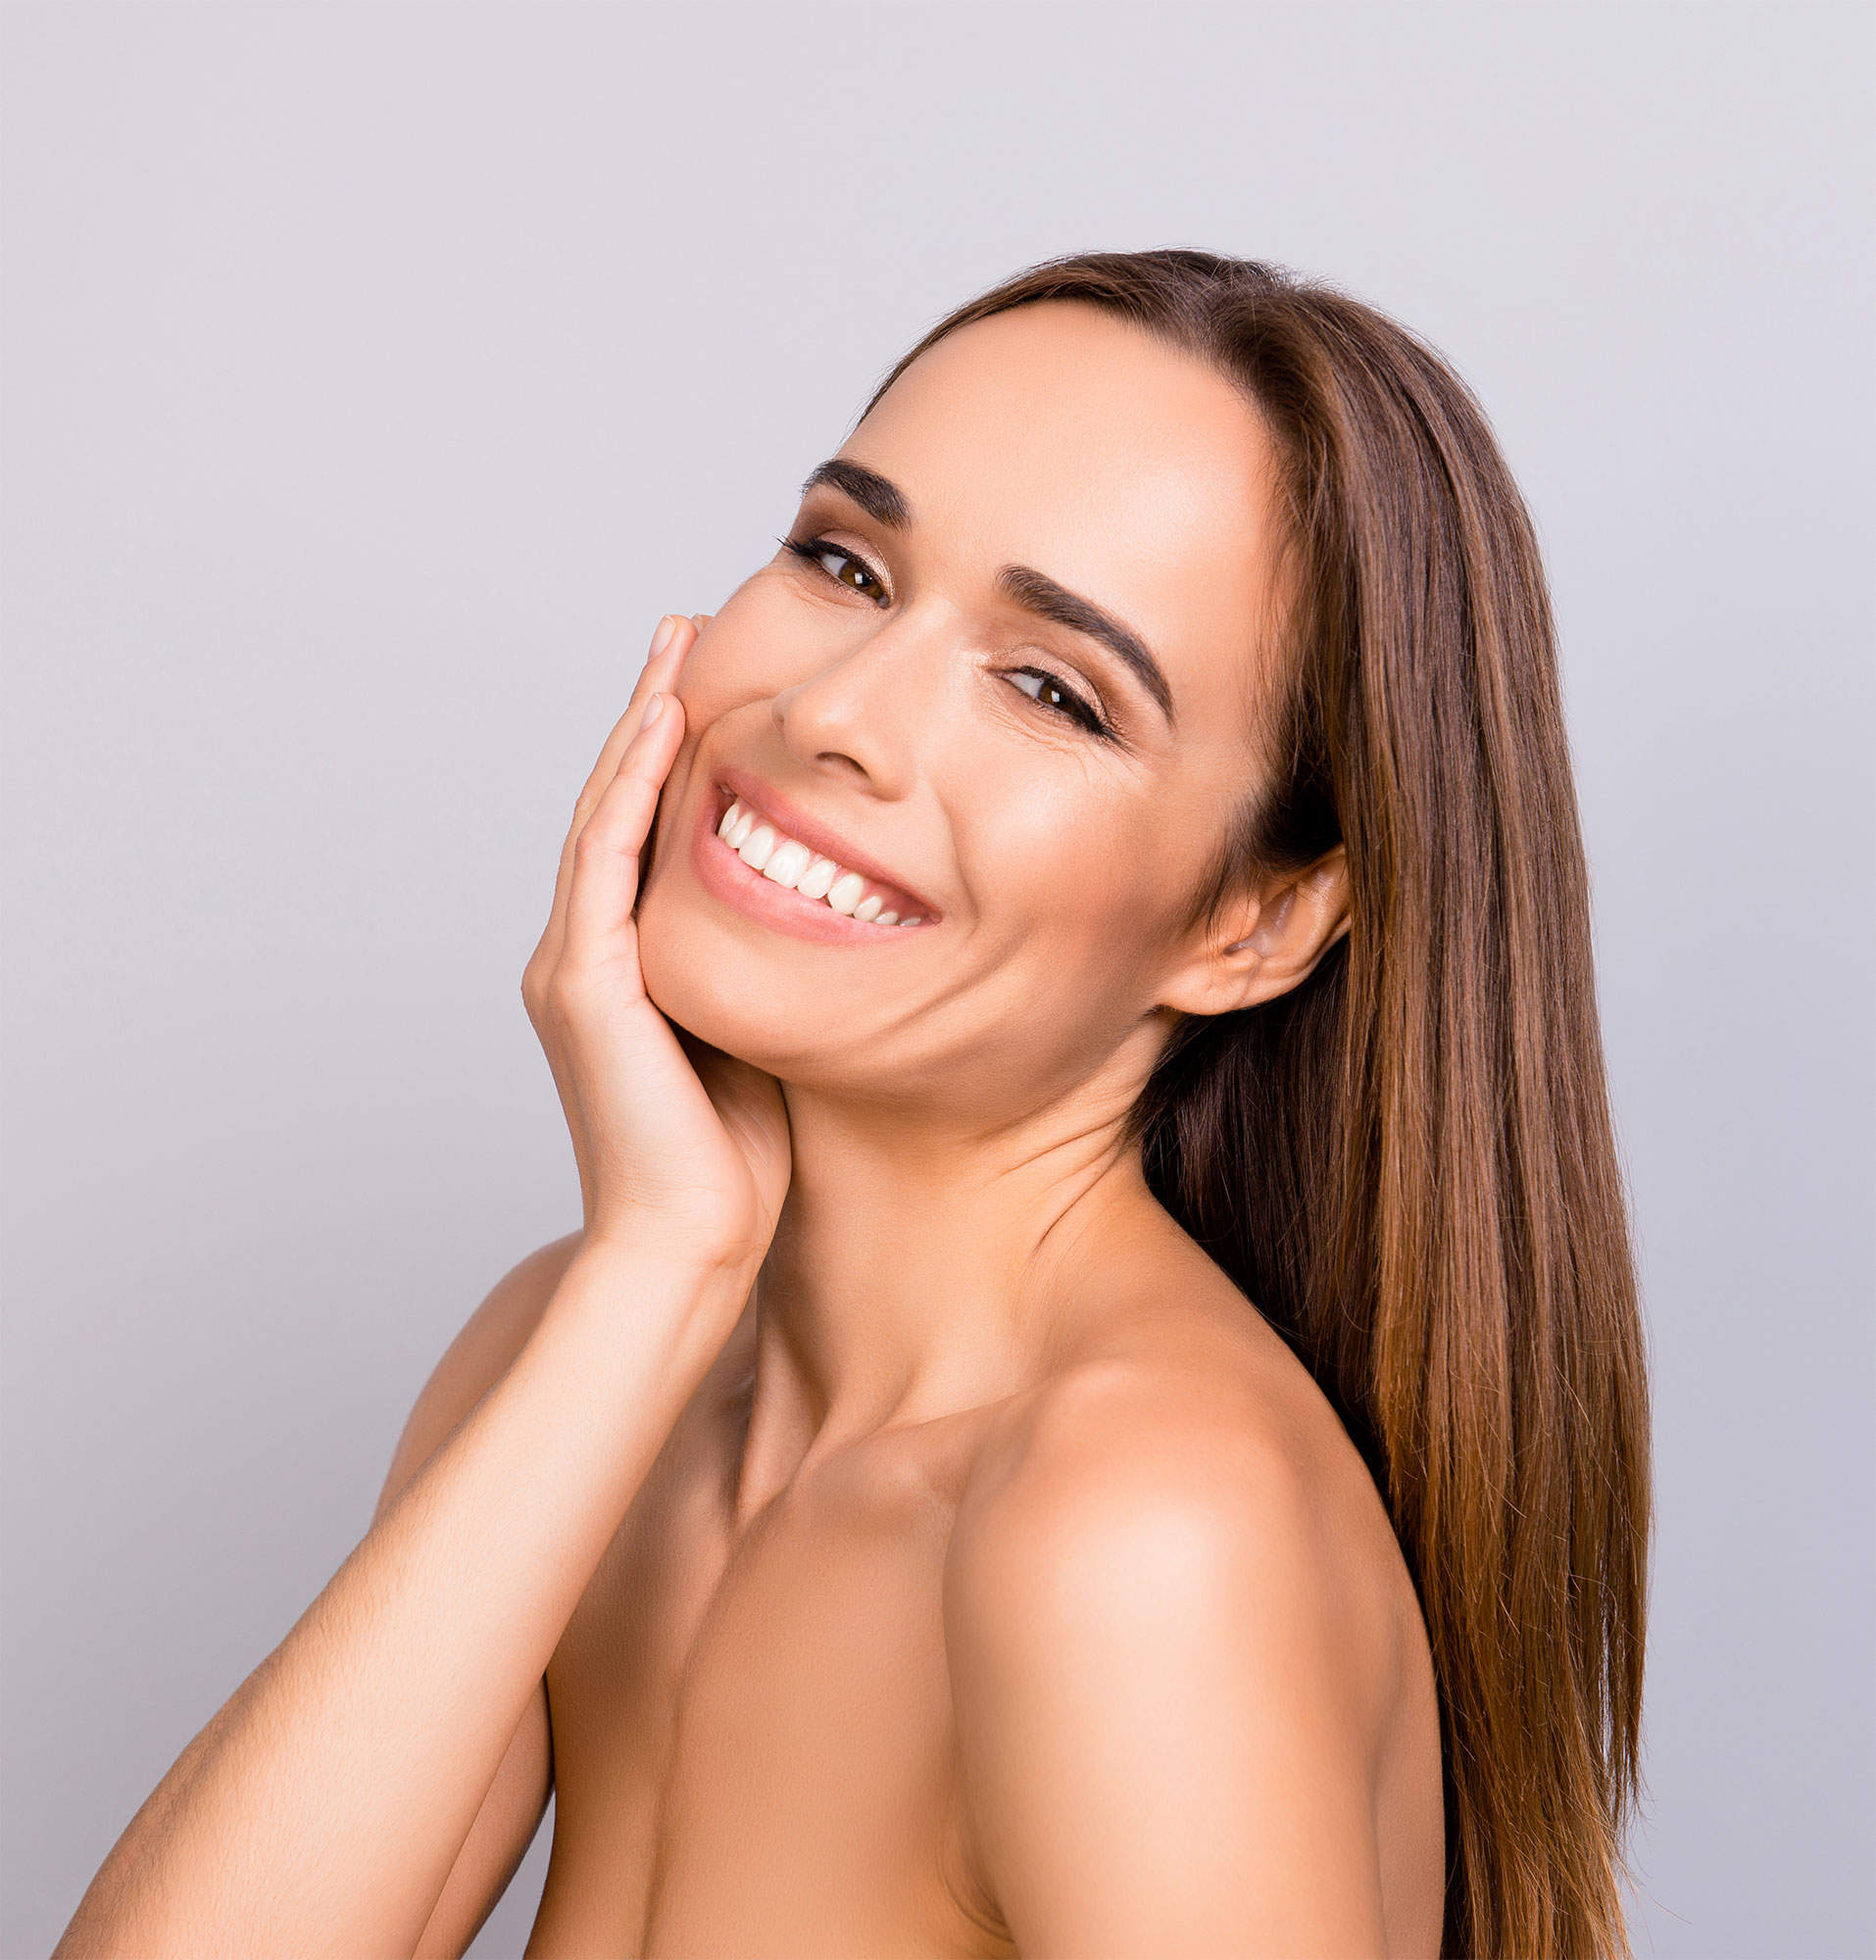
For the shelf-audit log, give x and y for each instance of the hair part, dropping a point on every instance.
(1407, 1161)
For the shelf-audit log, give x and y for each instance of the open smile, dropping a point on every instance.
(775, 865)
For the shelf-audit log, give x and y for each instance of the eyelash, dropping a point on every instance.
(815, 550)
(1078, 711)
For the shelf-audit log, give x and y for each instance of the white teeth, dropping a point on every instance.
(818, 879)
(788, 864)
(794, 866)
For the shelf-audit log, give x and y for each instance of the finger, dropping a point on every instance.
(605, 860)
(670, 644)
(659, 676)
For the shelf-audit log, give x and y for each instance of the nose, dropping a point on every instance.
(861, 715)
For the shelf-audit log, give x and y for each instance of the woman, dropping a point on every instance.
(1097, 1405)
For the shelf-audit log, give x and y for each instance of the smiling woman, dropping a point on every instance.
(1096, 1406)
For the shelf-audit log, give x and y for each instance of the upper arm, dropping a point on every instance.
(511, 1809)
(1164, 1743)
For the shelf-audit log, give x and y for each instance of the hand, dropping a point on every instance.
(659, 1151)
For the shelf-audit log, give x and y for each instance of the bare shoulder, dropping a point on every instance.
(1191, 1681)
(477, 1359)
(1177, 1619)
(1183, 1455)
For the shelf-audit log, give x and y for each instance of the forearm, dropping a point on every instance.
(322, 1809)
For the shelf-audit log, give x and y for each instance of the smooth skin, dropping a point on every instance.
(884, 1530)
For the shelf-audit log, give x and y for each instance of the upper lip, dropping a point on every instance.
(805, 829)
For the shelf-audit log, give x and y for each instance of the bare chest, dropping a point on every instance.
(752, 1739)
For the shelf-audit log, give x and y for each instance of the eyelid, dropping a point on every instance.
(804, 548)
(1095, 719)
(1101, 722)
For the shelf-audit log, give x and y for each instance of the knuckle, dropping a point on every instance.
(565, 997)
(597, 851)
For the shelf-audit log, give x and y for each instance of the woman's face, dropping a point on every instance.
(1005, 675)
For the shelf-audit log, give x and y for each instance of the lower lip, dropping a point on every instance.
(725, 876)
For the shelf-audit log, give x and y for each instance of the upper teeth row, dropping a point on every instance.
(765, 850)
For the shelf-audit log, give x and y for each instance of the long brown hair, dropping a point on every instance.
(1407, 1163)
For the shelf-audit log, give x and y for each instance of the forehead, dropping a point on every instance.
(1061, 437)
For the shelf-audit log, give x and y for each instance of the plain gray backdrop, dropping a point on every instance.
(375, 376)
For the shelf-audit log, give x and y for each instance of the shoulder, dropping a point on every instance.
(476, 1359)
(1190, 1482)
(1172, 1627)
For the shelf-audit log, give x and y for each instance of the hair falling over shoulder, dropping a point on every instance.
(1407, 1163)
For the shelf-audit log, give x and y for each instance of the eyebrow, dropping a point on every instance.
(878, 496)
(1034, 591)
(1038, 593)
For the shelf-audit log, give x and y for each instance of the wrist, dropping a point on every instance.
(646, 1257)
(658, 1315)
(668, 1235)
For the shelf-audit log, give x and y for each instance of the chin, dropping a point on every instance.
(715, 985)
(773, 977)
(688, 984)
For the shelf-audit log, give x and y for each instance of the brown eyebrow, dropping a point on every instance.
(1036, 591)
(878, 496)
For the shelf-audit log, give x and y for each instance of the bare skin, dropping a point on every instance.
(921, 1547)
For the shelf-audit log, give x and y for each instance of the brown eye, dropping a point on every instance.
(1049, 692)
(855, 573)
(850, 572)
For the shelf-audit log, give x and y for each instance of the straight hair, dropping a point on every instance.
(1407, 1163)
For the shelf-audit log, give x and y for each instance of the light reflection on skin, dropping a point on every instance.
(991, 1502)
(966, 1231)
(962, 1086)
(1064, 863)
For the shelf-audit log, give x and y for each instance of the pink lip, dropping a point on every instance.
(725, 875)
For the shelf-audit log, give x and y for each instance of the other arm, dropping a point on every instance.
(325, 1807)
(516, 1800)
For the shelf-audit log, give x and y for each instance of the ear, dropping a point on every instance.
(1263, 941)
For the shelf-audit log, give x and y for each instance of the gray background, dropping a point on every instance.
(375, 376)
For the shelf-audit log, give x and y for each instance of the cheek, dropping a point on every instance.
(1075, 867)
(751, 650)
(1080, 914)
(682, 962)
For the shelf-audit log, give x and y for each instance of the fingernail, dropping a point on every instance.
(662, 638)
(654, 707)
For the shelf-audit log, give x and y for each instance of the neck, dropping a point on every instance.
(922, 1268)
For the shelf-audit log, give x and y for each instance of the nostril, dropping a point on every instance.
(838, 762)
